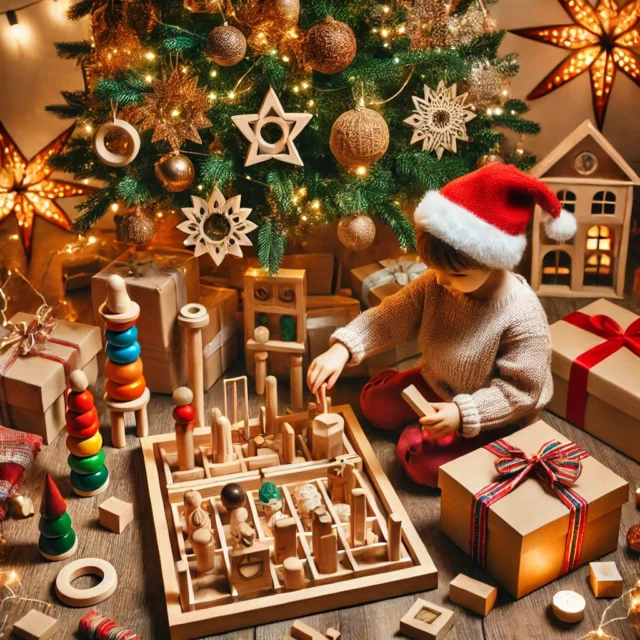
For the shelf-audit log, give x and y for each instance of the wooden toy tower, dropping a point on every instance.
(271, 304)
(595, 183)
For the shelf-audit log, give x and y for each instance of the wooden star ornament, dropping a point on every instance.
(601, 40)
(272, 112)
(27, 191)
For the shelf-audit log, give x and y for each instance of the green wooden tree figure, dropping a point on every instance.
(58, 540)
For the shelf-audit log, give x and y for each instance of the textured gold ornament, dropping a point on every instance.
(427, 22)
(330, 46)
(466, 27)
(175, 110)
(175, 172)
(359, 137)
(485, 84)
(226, 46)
(283, 14)
(356, 232)
(136, 229)
(117, 49)
(493, 157)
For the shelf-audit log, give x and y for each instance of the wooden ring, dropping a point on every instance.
(279, 145)
(123, 373)
(73, 597)
(126, 392)
(116, 159)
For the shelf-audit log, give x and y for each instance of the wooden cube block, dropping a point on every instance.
(302, 631)
(605, 580)
(36, 626)
(472, 594)
(426, 621)
(115, 514)
(332, 634)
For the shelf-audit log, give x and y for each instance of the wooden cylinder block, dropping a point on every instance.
(296, 383)
(272, 404)
(203, 548)
(285, 537)
(394, 525)
(260, 358)
(293, 570)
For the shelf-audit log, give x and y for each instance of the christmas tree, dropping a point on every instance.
(311, 111)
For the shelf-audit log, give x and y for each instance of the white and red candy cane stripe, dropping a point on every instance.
(95, 626)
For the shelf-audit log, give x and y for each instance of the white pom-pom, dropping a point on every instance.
(561, 228)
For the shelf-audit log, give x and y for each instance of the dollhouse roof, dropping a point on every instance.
(625, 174)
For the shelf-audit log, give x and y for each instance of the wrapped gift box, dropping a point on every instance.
(219, 339)
(161, 281)
(525, 539)
(596, 373)
(34, 386)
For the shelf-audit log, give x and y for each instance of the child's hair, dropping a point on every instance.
(437, 254)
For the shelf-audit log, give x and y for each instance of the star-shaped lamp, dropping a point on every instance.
(27, 191)
(272, 112)
(601, 40)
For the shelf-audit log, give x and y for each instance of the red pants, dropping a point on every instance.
(382, 404)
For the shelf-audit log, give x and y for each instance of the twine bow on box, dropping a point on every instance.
(401, 271)
(557, 465)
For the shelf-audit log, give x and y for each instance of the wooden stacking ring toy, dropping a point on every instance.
(80, 402)
(85, 432)
(90, 464)
(122, 338)
(126, 392)
(84, 448)
(81, 420)
(73, 597)
(123, 373)
(120, 326)
(56, 549)
(55, 528)
(123, 355)
(87, 483)
(110, 158)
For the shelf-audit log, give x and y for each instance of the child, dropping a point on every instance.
(483, 334)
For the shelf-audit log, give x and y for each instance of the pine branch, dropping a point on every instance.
(124, 93)
(133, 191)
(76, 50)
(216, 170)
(80, 9)
(92, 209)
(271, 245)
(508, 66)
(390, 214)
(77, 103)
(484, 47)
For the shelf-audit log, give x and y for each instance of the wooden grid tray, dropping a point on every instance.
(364, 573)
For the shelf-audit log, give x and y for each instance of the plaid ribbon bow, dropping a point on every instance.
(557, 465)
(25, 335)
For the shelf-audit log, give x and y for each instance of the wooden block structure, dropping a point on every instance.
(327, 430)
(115, 514)
(605, 580)
(285, 535)
(293, 573)
(472, 594)
(276, 298)
(250, 568)
(36, 625)
(417, 402)
(426, 621)
(302, 631)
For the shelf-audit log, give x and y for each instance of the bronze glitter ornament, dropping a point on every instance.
(633, 538)
(492, 157)
(283, 14)
(117, 49)
(226, 46)
(356, 232)
(359, 137)
(485, 84)
(330, 46)
(136, 229)
(175, 172)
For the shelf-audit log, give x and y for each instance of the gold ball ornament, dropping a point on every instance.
(226, 46)
(359, 137)
(485, 84)
(117, 49)
(136, 229)
(356, 232)
(175, 172)
(330, 46)
(489, 158)
(284, 14)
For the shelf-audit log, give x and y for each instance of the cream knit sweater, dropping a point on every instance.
(492, 358)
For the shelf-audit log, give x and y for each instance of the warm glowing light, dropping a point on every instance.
(212, 96)
(498, 111)
(92, 240)
(489, 111)
(273, 52)
(14, 236)
(385, 9)
(304, 218)
(305, 85)
(261, 36)
(115, 206)
(148, 79)
(231, 95)
(296, 89)
(384, 33)
(175, 112)
(159, 214)
(396, 59)
(310, 103)
(285, 58)
(150, 55)
(213, 73)
(88, 128)
(315, 204)
(361, 170)
(200, 187)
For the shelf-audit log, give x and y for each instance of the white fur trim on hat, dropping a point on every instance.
(464, 231)
(561, 228)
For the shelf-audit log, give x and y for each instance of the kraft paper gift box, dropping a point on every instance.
(219, 339)
(596, 373)
(527, 530)
(32, 387)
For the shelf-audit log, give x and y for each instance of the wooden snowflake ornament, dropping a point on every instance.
(440, 119)
(218, 227)
(272, 112)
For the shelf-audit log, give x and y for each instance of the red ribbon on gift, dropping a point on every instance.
(557, 465)
(615, 339)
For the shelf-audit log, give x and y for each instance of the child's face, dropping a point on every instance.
(463, 281)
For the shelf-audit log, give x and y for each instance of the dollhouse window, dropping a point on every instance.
(556, 268)
(568, 200)
(603, 203)
(598, 268)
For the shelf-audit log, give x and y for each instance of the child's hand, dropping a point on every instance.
(447, 420)
(327, 367)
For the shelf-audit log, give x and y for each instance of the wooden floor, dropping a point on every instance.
(139, 601)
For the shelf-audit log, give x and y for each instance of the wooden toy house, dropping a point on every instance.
(595, 183)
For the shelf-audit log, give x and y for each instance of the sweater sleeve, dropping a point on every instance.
(522, 385)
(397, 319)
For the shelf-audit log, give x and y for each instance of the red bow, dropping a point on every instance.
(615, 339)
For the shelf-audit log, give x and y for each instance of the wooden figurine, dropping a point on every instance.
(89, 476)
(358, 523)
(194, 515)
(115, 514)
(307, 498)
(472, 594)
(194, 317)
(271, 501)
(325, 542)
(595, 183)
(282, 301)
(57, 540)
(605, 580)
(285, 539)
(35, 625)
(342, 481)
(288, 450)
(327, 430)
(203, 547)
(126, 389)
(293, 574)
(426, 621)
(221, 438)
(417, 402)
(250, 567)
(184, 414)
(233, 499)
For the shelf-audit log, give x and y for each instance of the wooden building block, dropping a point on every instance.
(426, 621)
(605, 580)
(394, 538)
(250, 568)
(327, 436)
(302, 631)
(36, 626)
(332, 634)
(472, 594)
(358, 523)
(115, 514)
(285, 540)
(293, 573)
(417, 402)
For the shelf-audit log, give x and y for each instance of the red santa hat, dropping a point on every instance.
(485, 214)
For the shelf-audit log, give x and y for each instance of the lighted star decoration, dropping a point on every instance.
(217, 227)
(272, 112)
(175, 110)
(440, 119)
(27, 191)
(601, 40)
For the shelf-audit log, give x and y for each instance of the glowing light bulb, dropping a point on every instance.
(489, 111)
(296, 89)
(384, 33)
(115, 206)
(213, 73)
(92, 240)
(315, 204)
(305, 85)
(361, 170)
(212, 96)
(148, 78)
(304, 218)
(396, 59)
(401, 29)
(385, 9)
(150, 55)
(200, 187)
(175, 112)
(231, 95)
(285, 58)
(88, 128)
(310, 103)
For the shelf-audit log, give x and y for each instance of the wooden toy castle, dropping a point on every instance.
(595, 183)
